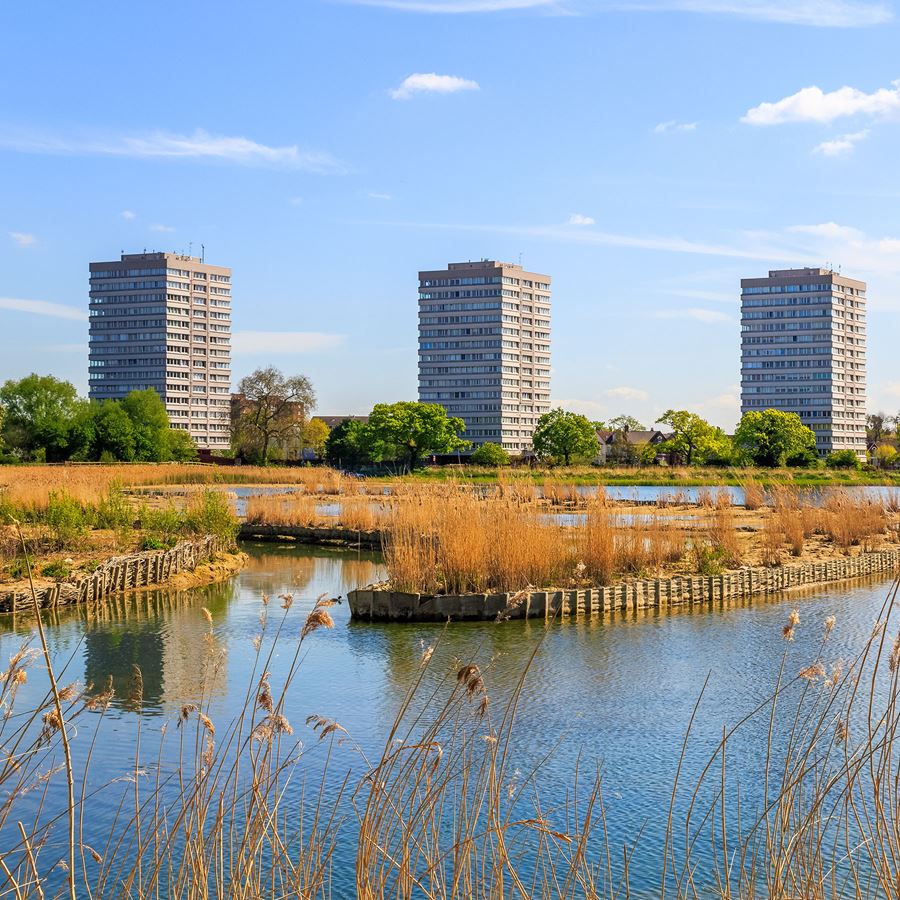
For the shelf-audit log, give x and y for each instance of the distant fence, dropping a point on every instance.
(121, 573)
(658, 593)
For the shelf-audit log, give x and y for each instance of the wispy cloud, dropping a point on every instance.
(579, 219)
(431, 83)
(296, 201)
(673, 127)
(829, 230)
(22, 239)
(284, 342)
(626, 393)
(456, 6)
(128, 215)
(162, 228)
(164, 145)
(43, 308)
(697, 314)
(812, 104)
(815, 13)
(379, 195)
(841, 146)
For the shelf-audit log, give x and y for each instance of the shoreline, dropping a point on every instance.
(190, 563)
(379, 603)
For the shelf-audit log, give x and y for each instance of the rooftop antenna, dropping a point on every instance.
(202, 253)
(520, 257)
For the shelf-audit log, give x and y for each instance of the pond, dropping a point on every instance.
(616, 692)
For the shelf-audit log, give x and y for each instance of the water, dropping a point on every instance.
(616, 692)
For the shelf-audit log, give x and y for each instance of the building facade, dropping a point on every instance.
(803, 350)
(484, 348)
(163, 321)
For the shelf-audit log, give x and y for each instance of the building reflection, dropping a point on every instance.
(165, 634)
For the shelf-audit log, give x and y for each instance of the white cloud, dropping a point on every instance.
(817, 13)
(128, 215)
(579, 219)
(812, 104)
(593, 409)
(22, 239)
(431, 83)
(673, 126)
(162, 228)
(284, 342)
(841, 146)
(627, 393)
(697, 314)
(296, 201)
(164, 145)
(829, 230)
(376, 195)
(43, 308)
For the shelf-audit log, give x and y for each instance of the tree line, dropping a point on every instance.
(42, 419)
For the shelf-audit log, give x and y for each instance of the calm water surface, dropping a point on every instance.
(617, 692)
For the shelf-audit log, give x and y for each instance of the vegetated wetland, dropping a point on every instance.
(185, 711)
(614, 694)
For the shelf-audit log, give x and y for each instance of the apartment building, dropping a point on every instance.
(163, 321)
(484, 348)
(803, 350)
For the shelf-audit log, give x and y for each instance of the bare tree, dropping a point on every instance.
(271, 410)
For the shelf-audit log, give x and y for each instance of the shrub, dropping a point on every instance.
(66, 519)
(842, 459)
(209, 512)
(58, 569)
(490, 454)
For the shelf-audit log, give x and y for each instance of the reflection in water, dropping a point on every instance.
(159, 632)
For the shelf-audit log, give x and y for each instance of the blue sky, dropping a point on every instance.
(646, 155)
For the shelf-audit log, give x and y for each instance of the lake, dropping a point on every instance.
(616, 692)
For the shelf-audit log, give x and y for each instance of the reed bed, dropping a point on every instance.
(354, 512)
(466, 543)
(31, 486)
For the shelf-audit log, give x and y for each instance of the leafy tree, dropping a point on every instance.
(878, 427)
(113, 432)
(181, 446)
(347, 445)
(842, 459)
(772, 437)
(83, 431)
(625, 424)
(693, 438)
(273, 410)
(315, 435)
(39, 409)
(150, 422)
(490, 454)
(562, 435)
(886, 455)
(407, 431)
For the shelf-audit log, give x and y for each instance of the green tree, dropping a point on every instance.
(150, 422)
(772, 437)
(886, 455)
(878, 427)
(625, 424)
(39, 411)
(271, 412)
(181, 446)
(113, 432)
(842, 459)
(315, 435)
(693, 438)
(405, 432)
(347, 445)
(560, 435)
(490, 454)
(83, 431)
